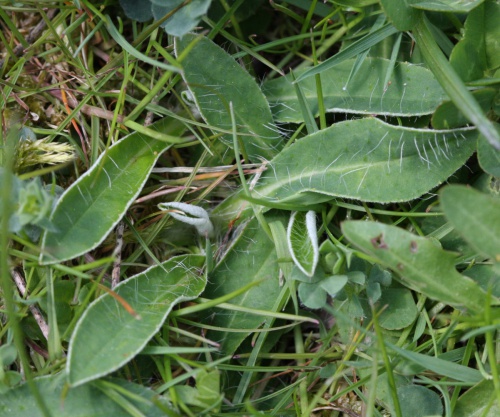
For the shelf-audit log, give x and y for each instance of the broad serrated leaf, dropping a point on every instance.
(365, 159)
(84, 401)
(252, 258)
(302, 239)
(90, 208)
(476, 216)
(421, 265)
(411, 91)
(215, 79)
(114, 329)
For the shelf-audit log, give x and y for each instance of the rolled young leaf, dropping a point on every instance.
(194, 215)
(302, 239)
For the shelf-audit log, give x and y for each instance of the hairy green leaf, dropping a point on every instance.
(90, 208)
(411, 91)
(115, 327)
(421, 265)
(365, 159)
(215, 79)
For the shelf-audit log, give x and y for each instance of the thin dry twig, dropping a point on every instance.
(21, 286)
(115, 273)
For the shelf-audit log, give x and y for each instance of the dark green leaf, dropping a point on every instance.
(418, 401)
(448, 116)
(400, 310)
(476, 216)
(400, 14)
(312, 295)
(185, 19)
(251, 258)
(489, 158)
(479, 401)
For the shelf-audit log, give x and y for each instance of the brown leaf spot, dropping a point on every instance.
(413, 247)
(378, 242)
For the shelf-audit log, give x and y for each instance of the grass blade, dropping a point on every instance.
(451, 82)
(352, 51)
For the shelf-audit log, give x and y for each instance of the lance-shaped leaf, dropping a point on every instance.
(194, 215)
(302, 239)
(411, 91)
(365, 159)
(115, 327)
(93, 205)
(85, 401)
(216, 79)
(476, 216)
(421, 265)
